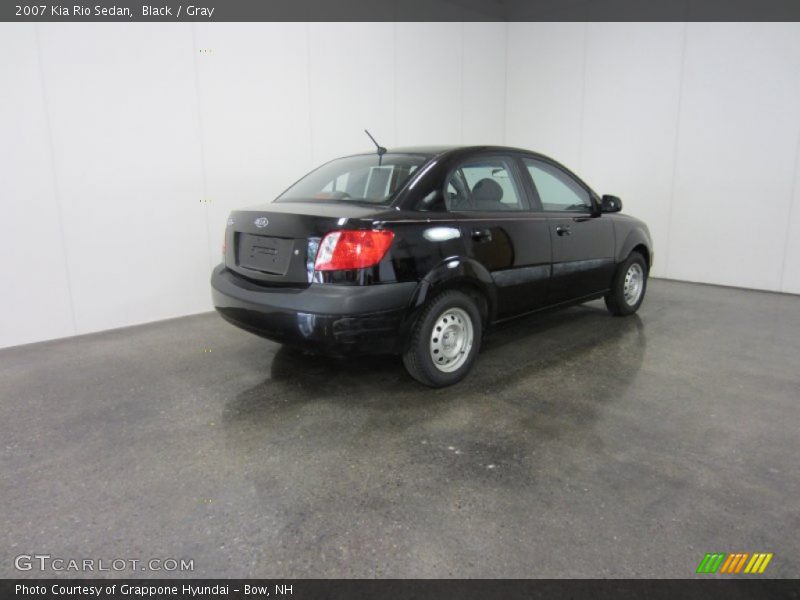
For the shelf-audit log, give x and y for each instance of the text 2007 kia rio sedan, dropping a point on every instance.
(417, 251)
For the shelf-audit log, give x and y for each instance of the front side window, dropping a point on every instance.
(356, 178)
(557, 191)
(484, 184)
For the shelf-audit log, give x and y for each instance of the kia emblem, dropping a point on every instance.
(261, 222)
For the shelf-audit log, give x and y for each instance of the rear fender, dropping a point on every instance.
(452, 273)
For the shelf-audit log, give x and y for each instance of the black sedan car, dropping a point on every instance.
(416, 251)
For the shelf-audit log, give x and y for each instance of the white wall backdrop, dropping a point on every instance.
(696, 126)
(124, 146)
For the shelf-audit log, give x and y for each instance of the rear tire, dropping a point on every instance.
(444, 340)
(629, 286)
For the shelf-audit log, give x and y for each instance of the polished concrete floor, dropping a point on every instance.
(581, 445)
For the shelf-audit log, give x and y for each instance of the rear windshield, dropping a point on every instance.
(356, 178)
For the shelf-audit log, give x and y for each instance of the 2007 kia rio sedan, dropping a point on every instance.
(416, 251)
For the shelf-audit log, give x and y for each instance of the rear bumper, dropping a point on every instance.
(334, 319)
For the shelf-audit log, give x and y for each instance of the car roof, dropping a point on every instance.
(426, 150)
(435, 150)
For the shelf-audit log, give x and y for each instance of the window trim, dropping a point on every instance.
(520, 185)
(536, 199)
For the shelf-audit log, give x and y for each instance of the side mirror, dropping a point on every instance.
(610, 204)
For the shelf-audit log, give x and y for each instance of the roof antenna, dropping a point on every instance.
(381, 149)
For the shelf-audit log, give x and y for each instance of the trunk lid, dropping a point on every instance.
(275, 244)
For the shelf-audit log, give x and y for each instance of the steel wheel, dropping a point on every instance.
(451, 339)
(634, 284)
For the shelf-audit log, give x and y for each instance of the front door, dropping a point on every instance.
(582, 243)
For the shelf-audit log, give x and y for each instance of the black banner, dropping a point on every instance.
(344, 589)
(403, 10)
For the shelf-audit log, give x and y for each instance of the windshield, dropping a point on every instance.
(356, 178)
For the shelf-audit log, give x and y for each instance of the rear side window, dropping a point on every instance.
(557, 190)
(484, 184)
(356, 178)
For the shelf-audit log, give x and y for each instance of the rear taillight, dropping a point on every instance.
(341, 250)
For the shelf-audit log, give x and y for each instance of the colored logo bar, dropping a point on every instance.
(736, 562)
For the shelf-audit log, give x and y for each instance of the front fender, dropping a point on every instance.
(635, 236)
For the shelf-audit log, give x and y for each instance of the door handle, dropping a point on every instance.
(563, 230)
(482, 235)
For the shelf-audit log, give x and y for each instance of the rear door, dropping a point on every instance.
(486, 195)
(582, 243)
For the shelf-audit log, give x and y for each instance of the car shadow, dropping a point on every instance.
(349, 437)
(519, 361)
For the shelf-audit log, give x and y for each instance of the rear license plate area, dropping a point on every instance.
(266, 254)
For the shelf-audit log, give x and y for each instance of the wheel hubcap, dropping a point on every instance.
(451, 339)
(634, 284)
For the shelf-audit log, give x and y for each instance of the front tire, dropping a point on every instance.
(629, 285)
(444, 340)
